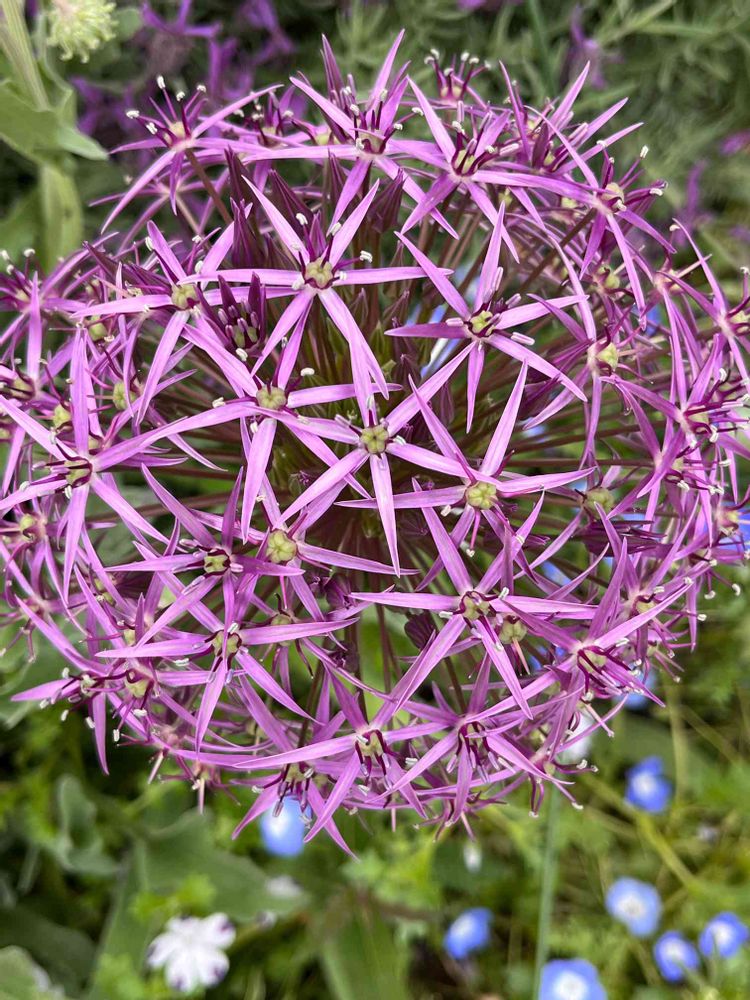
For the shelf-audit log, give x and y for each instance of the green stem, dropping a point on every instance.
(540, 37)
(549, 883)
(15, 42)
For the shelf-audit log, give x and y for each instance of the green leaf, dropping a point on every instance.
(20, 228)
(174, 863)
(78, 844)
(187, 848)
(66, 954)
(360, 957)
(17, 981)
(62, 220)
(39, 135)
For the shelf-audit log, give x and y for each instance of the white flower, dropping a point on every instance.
(577, 745)
(191, 951)
(472, 855)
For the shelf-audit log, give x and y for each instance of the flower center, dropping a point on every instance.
(318, 273)
(474, 606)
(216, 562)
(728, 521)
(571, 986)
(136, 684)
(98, 331)
(271, 397)
(512, 630)
(464, 162)
(481, 496)
(60, 416)
(282, 618)
(79, 471)
(31, 526)
(371, 744)
(184, 296)
(600, 496)
(608, 357)
(644, 602)
(375, 439)
(632, 907)
(280, 547)
(234, 643)
(591, 658)
(481, 324)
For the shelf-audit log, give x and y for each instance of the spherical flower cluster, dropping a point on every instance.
(80, 27)
(379, 447)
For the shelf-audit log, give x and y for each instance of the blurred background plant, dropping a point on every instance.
(92, 870)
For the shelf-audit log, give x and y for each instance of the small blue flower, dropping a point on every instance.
(469, 932)
(571, 979)
(723, 935)
(674, 954)
(283, 834)
(635, 701)
(654, 319)
(647, 788)
(635, 904)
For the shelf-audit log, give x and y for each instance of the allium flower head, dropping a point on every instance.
(80, 27)
(413, 362)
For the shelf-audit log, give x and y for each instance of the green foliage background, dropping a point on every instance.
(91, 867)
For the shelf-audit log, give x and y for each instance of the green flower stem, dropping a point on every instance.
(16, 44)
(539, 29)
(647, 831)
(549, 883)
